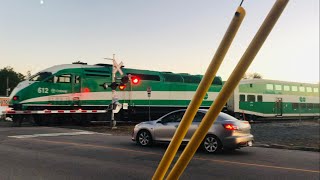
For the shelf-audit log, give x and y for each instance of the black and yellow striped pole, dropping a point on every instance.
(200, 94)
(228, 88)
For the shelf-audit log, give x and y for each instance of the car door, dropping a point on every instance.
(194, 126)
(167, 125)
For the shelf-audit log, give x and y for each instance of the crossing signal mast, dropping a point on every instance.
(134, 80)
(122, 85)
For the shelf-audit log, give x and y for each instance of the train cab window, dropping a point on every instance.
(259, 98)
(316, 90)
(40, 76)
(278, 87)
(65, 78)
(286, 88)
(294, 88)
(309, 89)
(316, 106)
(242, 98)
(269, 86)
(251, 98)
(302, 89)
(77, 79)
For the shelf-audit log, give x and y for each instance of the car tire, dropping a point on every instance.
(144, 138)
(211, 144)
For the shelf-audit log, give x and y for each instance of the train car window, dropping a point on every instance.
(148, 77)
(302, 89)
(316, 106)
(259, 97)
(278, 87)
(315, 90)
(294, 88)
(303, 105)
(295, 106)
(77, 79)
(242, 98)
(65, 78)
(309, 89)
(40, 76)
(310, 106)
(269, 86)
(286, 88)
(251, 98)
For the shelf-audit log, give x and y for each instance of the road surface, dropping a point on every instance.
(57, 153)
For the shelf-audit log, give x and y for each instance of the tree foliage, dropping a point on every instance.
(13, 79)
(252, 76)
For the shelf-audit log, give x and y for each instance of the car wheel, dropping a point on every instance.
(144, 138)
(211, 144)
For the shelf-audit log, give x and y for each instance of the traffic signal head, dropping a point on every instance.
(124, 79)
(113, 85)
(122, 86)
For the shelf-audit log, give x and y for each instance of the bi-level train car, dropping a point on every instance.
(75, 91)
(259, 98)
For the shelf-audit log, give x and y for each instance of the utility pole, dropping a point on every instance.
(7, 89)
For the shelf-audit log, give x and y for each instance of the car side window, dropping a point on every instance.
(199, 116)
(173, 117)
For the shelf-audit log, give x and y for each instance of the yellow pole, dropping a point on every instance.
(199, 95)
(227, 89)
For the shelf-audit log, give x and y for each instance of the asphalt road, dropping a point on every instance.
(57, 153)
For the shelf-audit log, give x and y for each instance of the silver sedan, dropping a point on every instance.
(226, 133)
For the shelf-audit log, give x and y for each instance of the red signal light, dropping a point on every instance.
(122, 87)
(135, 80)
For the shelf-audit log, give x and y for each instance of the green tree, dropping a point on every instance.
(252, 76)
(13, 79)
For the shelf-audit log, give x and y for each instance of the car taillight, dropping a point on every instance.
(15, 98)
(230, 126)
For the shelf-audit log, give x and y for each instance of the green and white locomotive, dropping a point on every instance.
(260, 98)
(76, 91)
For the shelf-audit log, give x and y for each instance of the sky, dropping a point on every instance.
(164, 35)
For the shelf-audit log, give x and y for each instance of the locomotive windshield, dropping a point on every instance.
(40, 76)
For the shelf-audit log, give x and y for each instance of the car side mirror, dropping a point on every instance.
(160, 122)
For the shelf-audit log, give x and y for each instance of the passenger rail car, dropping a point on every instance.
(260, 98)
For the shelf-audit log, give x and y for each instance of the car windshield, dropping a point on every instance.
(40, 76)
